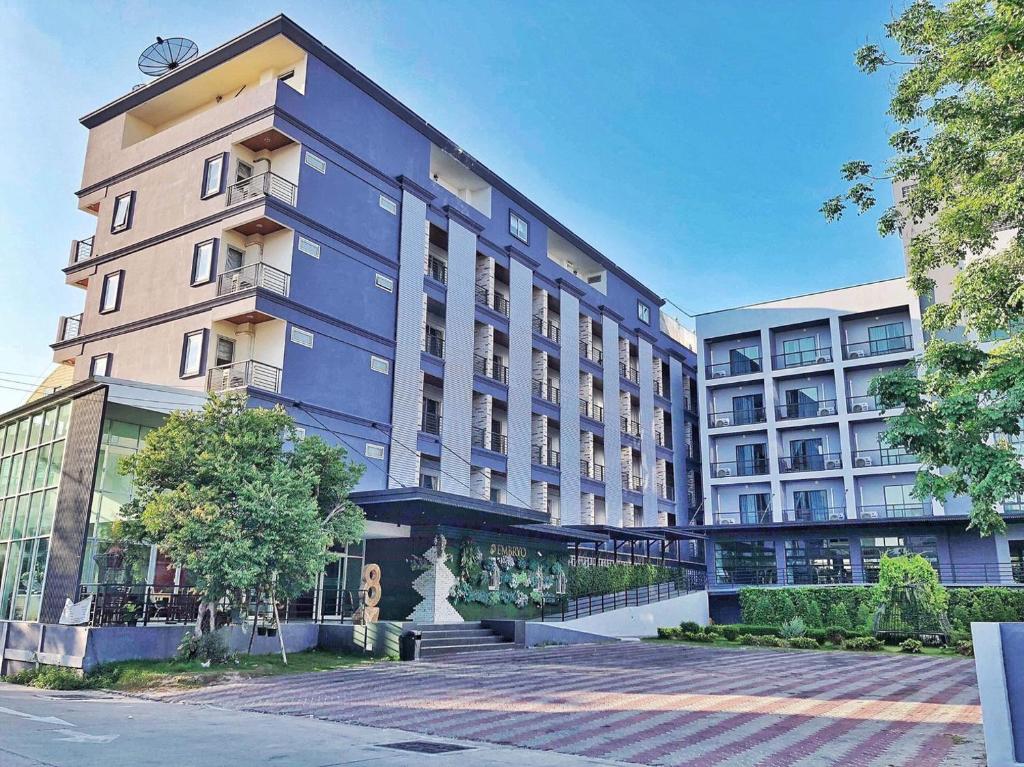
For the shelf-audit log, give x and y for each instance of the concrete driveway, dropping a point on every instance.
(656, 704)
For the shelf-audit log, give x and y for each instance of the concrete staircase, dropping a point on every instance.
(447, 638)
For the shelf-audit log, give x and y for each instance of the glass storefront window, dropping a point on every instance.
(818, 561)
(751, 562)
(872, 550)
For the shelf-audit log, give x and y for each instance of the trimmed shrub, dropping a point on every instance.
(667, 633)
(966, 648)
(911, 646)
(691, 627)
(211, 647)
(697, 636)
(863, 643)
(588, 579)
(818, 635)
(729, 632)
(760, 640)
(838, 615)
(795, 627)
(804, 643)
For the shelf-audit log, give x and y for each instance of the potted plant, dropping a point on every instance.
(272, 630)
(261, 629)
(130, 611)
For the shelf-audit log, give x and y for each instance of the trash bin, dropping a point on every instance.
(409, 645)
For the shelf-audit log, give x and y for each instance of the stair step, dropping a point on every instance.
(456, 634)
(460, 641)
(435, 650)
(448, 626)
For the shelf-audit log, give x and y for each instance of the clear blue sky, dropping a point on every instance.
(690, 141)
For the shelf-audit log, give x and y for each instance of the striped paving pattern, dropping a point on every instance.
(656, 704)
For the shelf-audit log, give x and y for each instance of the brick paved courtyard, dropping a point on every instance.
(657, 704)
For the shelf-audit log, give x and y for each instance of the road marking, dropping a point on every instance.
(74, 736)
(34, 718)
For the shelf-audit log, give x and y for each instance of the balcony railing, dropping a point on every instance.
(660, 390)
(546, 391)
(629, 372)
(546, 328)
(239, 375)
(734, 368)
(629, 427)
(69, 327)
(895, 510)
(433, 345)
(591, 352)
(883, 456)
(878, 347)
(492, 299)
(821, 408)
(688, 406)
(803, 357)
(818, 514)
(488, 368)
(546, 457)
(591, 470)
(431, 423)
(591, 410)
(81, 250)
(862, 403)
(756, 517)
(821, 462)
(750, 468)
(667, 493)
(257, 275)
(1005, 574)
(633, 482)
(743, 417)
(490, 440)
(262, 185)
(437, 269)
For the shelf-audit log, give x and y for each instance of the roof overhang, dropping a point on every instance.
(421, 506)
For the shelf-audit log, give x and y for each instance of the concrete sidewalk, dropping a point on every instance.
(90, 729)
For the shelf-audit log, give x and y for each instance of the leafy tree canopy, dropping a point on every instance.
(228, 493)
(958, 108)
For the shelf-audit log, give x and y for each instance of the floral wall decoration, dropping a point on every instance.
(520, 582)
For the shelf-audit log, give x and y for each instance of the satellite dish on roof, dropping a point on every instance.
(167, 54)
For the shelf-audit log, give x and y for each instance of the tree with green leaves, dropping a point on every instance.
(229, 494)
(958, 105)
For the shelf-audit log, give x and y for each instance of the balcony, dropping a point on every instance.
(748, 468)
(437, 269)
(591, 352)
(492, 300)
(431, 424)
(895, 510)
(490, 440)
(819, 514)
(629, 427)
(591, 470)
(722, 418)
(81, 250)
(262, 185)
(590, 410)
(631, 481)
(821, 408)
(546, 328)
(734, 368)
(755, 517)
(822, 462)
(433, 345)
(240, 375)
(801, 358)
(546, 457)
(629, 372)
(488, 368)
(863, 403)
(688, 406)
(883, 456)
(69, 328)
(659, 389)
(667, 493)
(546, 391)
(878, 348)
(257, 275)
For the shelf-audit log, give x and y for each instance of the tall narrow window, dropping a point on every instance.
(643, 312)
(213, 176)
(202, 262)
(123, 208)
(519, 227)
(192, 354)
(110, 297)
(100, 365)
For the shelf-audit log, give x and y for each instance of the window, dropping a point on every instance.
(1017, 560)
(379, 365)
(233, 259)
(110, 297)
(124, 207)
(748, 408)
(388, 204)
(802, 402)
(750, 562)
(224, 353)
(100, 365)
(818, 561)
(374, 451)
(302, 337)
(213, 176)
(202, 262)
(519, 227)
(812, 506)
(746, 359)
(316, 163)
(309, 247)
(799, 351)
(751, 459)
(900, 501)
(243, 171)
(806, 454)
(643, 311)
(888, 338)
(429, 481)
(192, 354)
(872, 550)
(384, 283)
(755, 508)
(284, 76)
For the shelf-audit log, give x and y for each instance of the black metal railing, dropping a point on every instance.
(750, 468)
(817, 514)
(591, 352)
(437, 269)
(803, 357)
(631, 481)
(489, 368)
(546, 457)
(734, 368)
(883, 456)
(431, 423)
(592, 470)
(492, 299)
(629, 426)
(490, 440)
(546, 328)
(433, 345)
(741, 417)
(119, 604)
(862, 403)
(257, 275)
(819, 462)
(262, 185)
(629, 372)
(81, 250)
(683, 581)
(546, 391)
(1002, 574)
(894, 510)
(821, 408)
(69, 327)
(591, 409)
(238, 375)
(878, 347)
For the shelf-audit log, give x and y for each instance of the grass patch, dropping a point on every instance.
(726, 644)
(129, 676)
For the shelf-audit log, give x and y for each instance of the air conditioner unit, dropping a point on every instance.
(725, 472)
(860, 407)
(821, 360)
(833, 464)
(719, 374)
(723, 422)
(836, 515)
(856, 354)
(727, 521)
(862, 463)
(826, 411)
(869, 515)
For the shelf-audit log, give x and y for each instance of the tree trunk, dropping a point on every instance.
(280, 634)
(255, 619)
(204, 608)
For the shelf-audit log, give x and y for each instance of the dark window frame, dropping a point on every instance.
(204, 335)
(129, 219)
(513, 231)
(221, 183)
(119, 273)
(194, 280)
(110, 364)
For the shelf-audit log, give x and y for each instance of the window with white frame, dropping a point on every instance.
(202, 262)
(384, 282)
(519, 227)
(379, 364)
(192, 354)
(643, 312)
(100, 365)
(309, 247)
(388, 204)
(213, 176)
(374, 451)
(302, 337)
(316, 163)
(124, 205)
(110, 296)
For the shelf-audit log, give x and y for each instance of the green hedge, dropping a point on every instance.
(994, 604)
(607, 580)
